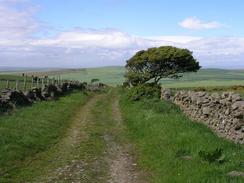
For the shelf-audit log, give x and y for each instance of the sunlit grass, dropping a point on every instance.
(160, 131)
(33, 129)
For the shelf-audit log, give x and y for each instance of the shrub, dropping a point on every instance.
(199, 89)
(182, 152)
(5, 106)
(141, 91)
(214, 156)
(95, 80)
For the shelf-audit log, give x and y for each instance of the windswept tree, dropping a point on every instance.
(156, 63)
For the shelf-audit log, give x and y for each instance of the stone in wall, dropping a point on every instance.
(166, 94)
(15, 97)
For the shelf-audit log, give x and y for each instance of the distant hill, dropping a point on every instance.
(204, 77)
(25, 69)
(114, 75)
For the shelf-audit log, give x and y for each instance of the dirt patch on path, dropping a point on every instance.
(122, 165)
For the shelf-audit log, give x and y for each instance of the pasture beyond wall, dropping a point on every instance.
(221, 112)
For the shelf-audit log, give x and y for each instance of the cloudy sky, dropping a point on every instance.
(90, 33)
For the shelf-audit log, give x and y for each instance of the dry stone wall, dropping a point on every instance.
(222, 112)
(9, 98)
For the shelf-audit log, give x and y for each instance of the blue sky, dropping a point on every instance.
(144, 17)
(89, 33)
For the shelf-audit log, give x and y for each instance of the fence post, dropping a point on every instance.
(56, 80)
(32, 82)
(43, 86)
(37, 83)
(53, 81)
(17, 85)
(45, 80)
(7, 84)
(25, 80)
(59, 77)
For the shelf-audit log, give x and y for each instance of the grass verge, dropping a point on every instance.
(168, 144)
(34, 129)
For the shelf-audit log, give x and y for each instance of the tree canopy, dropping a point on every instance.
(156, 63)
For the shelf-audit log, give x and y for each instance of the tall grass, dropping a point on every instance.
(33, 129)
(164, 136)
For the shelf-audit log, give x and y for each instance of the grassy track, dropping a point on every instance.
(61, 141)
(81, 152)
(92, 148)
(162, 133)
(34, 129)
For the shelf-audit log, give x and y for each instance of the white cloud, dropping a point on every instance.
(197, 24)
(222, 52)
(15, 23)
(93, 47)
(89, 47)
(84, 38)
(175, 39)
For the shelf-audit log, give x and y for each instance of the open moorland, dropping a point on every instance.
(121, 91)
(88, 136)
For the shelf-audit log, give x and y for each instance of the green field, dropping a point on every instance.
(203, 78)
(108, 75)
(208, 78)
(115, 76)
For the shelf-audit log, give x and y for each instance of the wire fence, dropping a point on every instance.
(26, 83)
